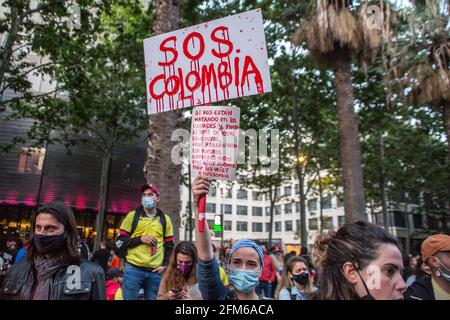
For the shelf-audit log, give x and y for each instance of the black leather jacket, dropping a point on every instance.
(19, 282)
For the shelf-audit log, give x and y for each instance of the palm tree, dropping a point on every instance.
(427, 65)
(335, 32)
(159, 168)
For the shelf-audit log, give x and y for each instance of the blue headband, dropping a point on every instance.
(248, 243)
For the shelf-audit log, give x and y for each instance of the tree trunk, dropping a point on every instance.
(382, 184)
(159, 167)
(303, 230)
(272, 204)
(104, 188)
(446, 118)
(320, 200)
(9, 44)
(300, 172)
(350, 149)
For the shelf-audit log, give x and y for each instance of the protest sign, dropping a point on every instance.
(214, 142)
(214, 61)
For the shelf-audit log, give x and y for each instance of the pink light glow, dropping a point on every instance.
(30, 200)
(81, 201)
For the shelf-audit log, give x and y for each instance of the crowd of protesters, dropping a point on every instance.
(358, 261)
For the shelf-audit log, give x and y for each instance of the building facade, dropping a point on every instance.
(29, 177)
(245, 213)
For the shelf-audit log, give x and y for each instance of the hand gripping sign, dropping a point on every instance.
(214, 146)
(214, 61)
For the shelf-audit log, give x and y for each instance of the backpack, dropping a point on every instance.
(118, 247)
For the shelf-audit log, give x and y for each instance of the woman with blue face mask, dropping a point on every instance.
(246, 261)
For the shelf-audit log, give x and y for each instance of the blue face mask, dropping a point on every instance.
(148, 202)
(244, 280)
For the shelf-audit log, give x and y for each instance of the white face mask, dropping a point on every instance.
(440, 273)
(149, 202)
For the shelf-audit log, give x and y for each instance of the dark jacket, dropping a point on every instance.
(421, 289)
(19, 282)
(101, 257)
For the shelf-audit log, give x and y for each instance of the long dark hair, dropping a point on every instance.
(64, 214)
(286, 282)
(355, 242)
(173, 278)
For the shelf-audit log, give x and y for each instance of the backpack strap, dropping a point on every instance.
(162, 218)
(137, 214)
(293, 296)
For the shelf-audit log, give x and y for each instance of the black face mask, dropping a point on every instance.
(49, 244)
(301, 278)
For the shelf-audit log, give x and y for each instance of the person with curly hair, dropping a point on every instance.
(359, 261)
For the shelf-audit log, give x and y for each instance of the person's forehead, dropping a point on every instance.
(443, 254)
(184, 257)
(148, 191)
(389, 253)
(299, 264)
(46, 218)
(246, 253)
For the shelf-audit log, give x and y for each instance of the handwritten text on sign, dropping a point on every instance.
(214, 142)
(214, 61)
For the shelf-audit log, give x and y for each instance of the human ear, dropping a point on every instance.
(350, 273)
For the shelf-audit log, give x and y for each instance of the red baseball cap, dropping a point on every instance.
(152, 187)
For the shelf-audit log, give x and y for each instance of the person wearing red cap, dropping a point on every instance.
(436, 254)
(146, 236)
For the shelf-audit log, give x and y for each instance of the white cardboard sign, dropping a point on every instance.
(214, 142)
(214, 61)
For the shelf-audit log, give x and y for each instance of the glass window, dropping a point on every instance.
(277, 209)
(267, 226)
(211, 207)
(226, 193)
(278, 226)
(297, 207)
(340, 202)
(227, 208)
(257, 211)
(241, 226)
(312, 204)
(418, 221)
(241, 210)
(313, 224)
(31, 160)
(212, 192)
(399, 219)
(297, 188)
(326, 203)
(227, 225)
(327, 222)
(242, 194)
(341, 220)
(288, 191)
(257, 227)
(288, 208)
(278, 193)
(288, 225)
(257, 195)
